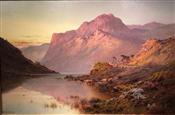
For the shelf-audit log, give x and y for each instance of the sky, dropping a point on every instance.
(33, 22)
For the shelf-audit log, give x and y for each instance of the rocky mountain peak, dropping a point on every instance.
(105, 22)
(105, 16)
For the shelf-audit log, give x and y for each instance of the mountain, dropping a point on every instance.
(35, 53)
(98, 40)
(156, 52)
(15, 68)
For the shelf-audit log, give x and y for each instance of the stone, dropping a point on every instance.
(104, 80)
(88, 82)
(137, 93)
(115, 89)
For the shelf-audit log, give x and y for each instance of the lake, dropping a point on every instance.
(47, 94)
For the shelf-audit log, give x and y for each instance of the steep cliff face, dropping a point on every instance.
(154, 51)
(97, 40)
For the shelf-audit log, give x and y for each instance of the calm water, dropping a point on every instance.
(47, 94)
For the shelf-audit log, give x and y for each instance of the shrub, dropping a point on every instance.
(53, 105)
(101, 67)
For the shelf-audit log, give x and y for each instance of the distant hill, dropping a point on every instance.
(153, 30)
(147, 26)
(35, 53)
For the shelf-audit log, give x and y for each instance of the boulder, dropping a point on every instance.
(137, 93)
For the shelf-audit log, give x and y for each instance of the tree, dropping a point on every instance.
(114, 60)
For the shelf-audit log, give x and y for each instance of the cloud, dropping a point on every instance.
(31, 36)
(21, 44)
(26, 42)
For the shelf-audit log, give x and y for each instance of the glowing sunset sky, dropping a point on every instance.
(36, 21)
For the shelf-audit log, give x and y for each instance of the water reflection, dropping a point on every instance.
(22, 101)
(49, 94)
